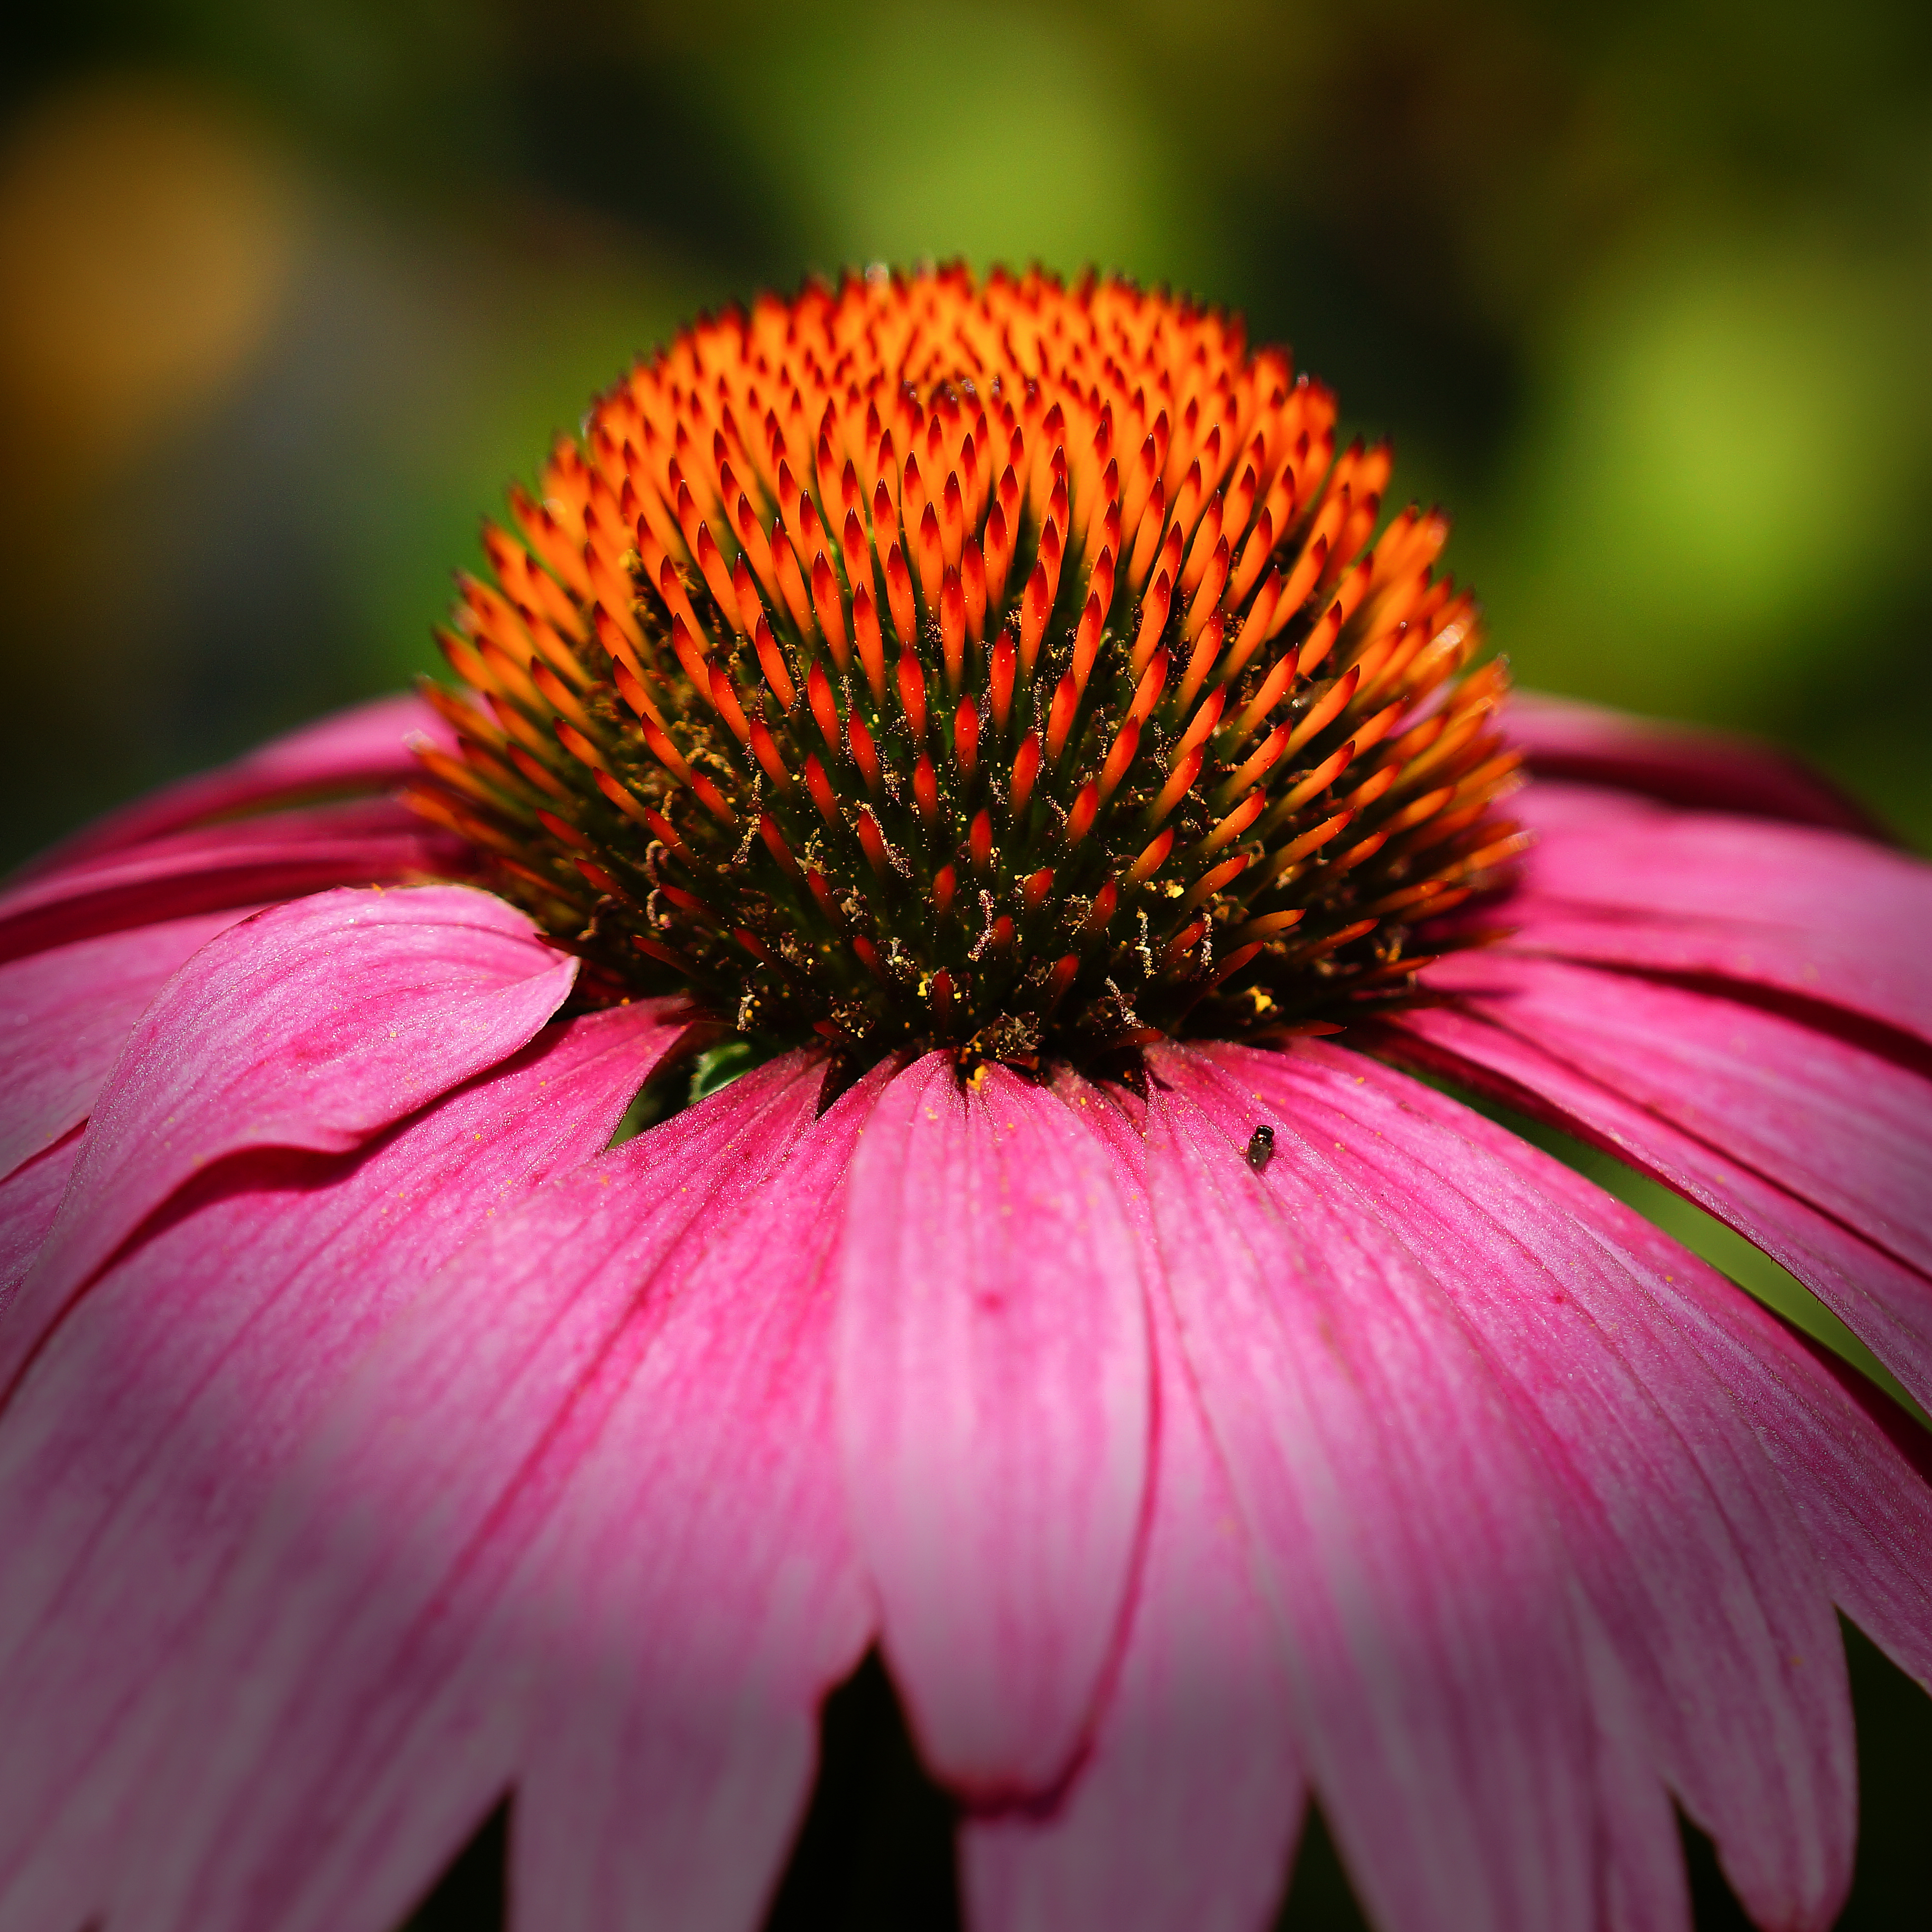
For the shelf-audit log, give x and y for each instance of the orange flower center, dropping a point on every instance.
(997, 666)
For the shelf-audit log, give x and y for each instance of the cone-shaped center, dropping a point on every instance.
(998, 667)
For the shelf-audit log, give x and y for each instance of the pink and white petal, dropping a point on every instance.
(315, 1024)
(1847, 1130)
(993, 1395)
(1403, 1536)
(353, 1714)
(1680, 1531)
(1816, 914)
(135, 1452)
(1183, 1816)
(1884, 1301)
(64, 1015)
(1678, 764)
(237, 863)
(366, 748)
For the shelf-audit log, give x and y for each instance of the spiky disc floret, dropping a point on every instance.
(992, 666)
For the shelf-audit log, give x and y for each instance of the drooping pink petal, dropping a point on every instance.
(314, 1025)
(1404, 1538)
(136, 1453)
(1678, 764)
(696, 1591)
(1857, 1468)
(993, 1394)
(237, 863)
(365, 748)
(1885, 1301)
(390, 1648)
(1847, 1130)
(1184, 1813)
(1816, 914)
(65, 1016)
(1698, 1571)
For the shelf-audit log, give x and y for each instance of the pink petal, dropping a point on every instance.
(65, 1016)
(397, 1641)
(1641, 1885)
(1813, 913)
(1847, 1130)
(1696, 1566)
(993, 1390)
(1883, 1300)
(696, 1590)
(29, 1198)
(1184, 1813)
(136, 1453)
(232, 864)
(363, 749)
(1678, 764)
(1403, 1533)
(312, 1025)
(1858, 1468)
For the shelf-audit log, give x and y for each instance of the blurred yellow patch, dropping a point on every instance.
(146, 242)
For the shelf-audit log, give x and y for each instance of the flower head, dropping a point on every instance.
(989, 665)
(983, 697)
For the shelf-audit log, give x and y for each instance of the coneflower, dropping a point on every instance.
(992, 720)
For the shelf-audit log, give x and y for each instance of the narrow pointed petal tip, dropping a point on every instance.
(994, 1403)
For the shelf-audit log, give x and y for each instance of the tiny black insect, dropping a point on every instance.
(1261, 1148)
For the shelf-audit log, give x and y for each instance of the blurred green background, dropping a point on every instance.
(287, 293)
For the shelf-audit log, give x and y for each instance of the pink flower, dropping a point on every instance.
(1196, 1415)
